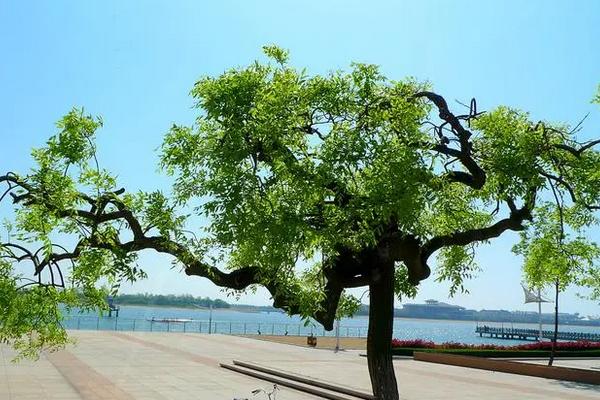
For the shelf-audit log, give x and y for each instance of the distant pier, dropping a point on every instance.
(113, 308)
(533, 334)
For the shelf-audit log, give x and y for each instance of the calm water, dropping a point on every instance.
(138, 318)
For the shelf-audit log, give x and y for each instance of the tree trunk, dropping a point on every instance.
(555, 336)
(379, 339)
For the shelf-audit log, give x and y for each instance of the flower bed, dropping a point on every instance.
(413, 344)
(560, 346)
(535, 349)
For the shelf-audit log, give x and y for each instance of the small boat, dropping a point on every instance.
(165, 320)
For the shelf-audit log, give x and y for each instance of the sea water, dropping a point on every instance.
(134, 318)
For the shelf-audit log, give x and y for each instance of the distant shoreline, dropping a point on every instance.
(246, 309)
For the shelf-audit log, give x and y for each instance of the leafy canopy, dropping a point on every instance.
(309, 183)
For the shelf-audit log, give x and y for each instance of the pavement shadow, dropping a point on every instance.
(581, 386)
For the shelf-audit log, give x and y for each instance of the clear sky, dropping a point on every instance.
(134, 62)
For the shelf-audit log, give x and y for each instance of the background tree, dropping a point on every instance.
(557, 258)
(378, 175)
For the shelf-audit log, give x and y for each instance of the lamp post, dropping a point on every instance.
(210, 319)
(541, 337)
(337, 335)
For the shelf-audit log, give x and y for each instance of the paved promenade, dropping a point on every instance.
(124, 366)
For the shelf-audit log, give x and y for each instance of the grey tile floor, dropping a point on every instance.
(122, 366)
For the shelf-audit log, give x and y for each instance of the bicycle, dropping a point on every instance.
(270, 395)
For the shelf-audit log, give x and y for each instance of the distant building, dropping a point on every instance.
(498, 315)
(436, 310)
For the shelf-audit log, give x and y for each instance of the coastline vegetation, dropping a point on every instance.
(179, 301)
(186, 301)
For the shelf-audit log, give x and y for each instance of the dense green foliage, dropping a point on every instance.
(311, 184)
(555, 249)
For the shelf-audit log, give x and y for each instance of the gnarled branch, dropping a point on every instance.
(476, 176)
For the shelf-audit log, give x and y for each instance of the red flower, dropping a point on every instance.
(415, 343)
(560, 346)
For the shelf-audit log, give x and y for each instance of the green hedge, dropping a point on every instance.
(403, 351)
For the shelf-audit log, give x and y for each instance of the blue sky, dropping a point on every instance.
(135, 62)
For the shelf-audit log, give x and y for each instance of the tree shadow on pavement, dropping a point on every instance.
(581, 386)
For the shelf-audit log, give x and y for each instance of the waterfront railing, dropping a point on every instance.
(205, 326)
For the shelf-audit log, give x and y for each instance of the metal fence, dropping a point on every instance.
(198, 326)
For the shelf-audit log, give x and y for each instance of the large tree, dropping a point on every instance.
(310, 185)
(558, 255)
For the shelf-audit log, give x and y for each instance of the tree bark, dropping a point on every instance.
(379, 339)
(555, 336)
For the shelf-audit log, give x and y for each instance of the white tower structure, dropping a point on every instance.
(532, 297)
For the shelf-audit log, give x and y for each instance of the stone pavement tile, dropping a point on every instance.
(169, 370)
(185, 366)
(585, 363)
(31, 379)
(61, 396)
(461, 382)
(497, 384)
(86, 381)
(413, 376)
